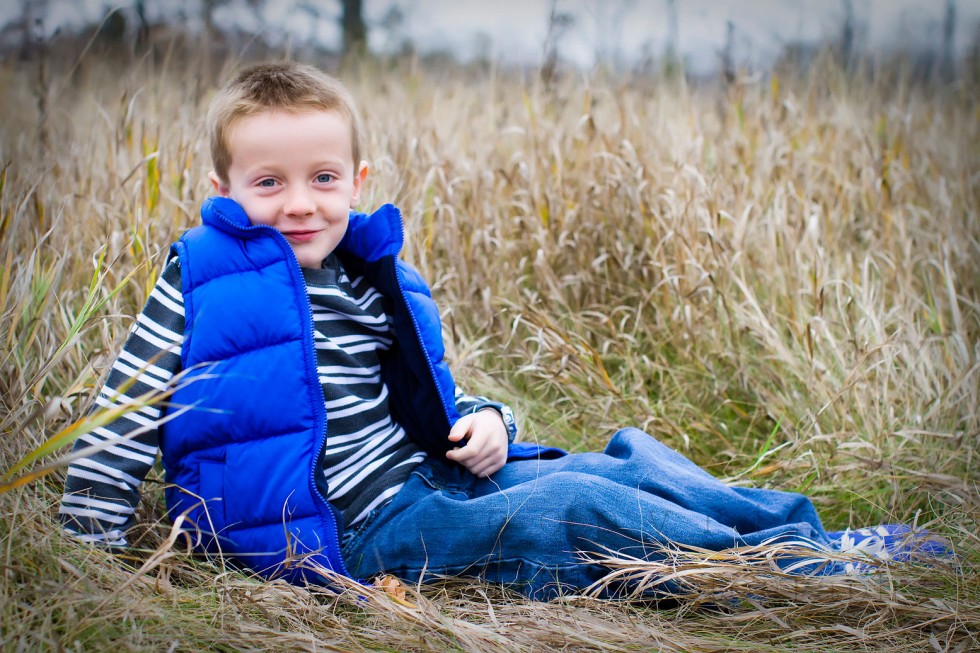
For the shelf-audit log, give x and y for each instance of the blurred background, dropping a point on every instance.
(702, 37)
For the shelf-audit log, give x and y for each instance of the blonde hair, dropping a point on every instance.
(282, 85)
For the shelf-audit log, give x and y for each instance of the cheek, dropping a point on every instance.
(258, 209)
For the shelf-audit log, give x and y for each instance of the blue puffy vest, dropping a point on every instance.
(246, 427)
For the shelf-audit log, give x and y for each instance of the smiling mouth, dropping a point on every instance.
(300, 236)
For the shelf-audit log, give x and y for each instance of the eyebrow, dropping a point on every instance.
(271, 167)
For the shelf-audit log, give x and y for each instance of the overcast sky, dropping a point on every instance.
(514, 30)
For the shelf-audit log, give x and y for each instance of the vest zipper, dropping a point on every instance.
(326, 512)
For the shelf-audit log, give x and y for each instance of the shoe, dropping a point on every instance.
(888, 542)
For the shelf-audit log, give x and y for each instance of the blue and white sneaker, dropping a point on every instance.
(888, 542)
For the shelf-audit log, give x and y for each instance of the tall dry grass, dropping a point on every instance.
(779, 278)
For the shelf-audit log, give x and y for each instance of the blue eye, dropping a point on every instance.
(324, 178)
(267, 183)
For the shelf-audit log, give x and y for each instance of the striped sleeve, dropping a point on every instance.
(102, 489)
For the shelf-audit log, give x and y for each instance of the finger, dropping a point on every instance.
(496, 467)
(488, 467)
(465, 455)
(481, 469)
(489, 455)
(469, 455)
(461, 428)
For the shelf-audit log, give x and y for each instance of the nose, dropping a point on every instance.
(299, 203)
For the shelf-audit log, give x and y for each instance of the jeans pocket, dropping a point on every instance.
(446, 476)
(352, 537)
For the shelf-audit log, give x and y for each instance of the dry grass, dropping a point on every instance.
(780, 279)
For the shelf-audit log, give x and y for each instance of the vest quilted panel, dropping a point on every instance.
(249, 446)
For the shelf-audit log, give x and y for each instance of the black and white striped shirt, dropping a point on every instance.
(367, 458)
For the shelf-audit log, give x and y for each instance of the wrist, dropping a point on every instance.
(506, 416)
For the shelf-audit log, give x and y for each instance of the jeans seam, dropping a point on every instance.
(536, 564)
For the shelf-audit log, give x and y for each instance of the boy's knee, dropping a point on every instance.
(628, 440)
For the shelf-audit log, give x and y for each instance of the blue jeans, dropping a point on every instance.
(525, 525)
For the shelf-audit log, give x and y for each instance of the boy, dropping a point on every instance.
(316, 423)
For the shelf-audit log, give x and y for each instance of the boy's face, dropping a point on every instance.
(294, 172)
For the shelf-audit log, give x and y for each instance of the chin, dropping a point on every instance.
(309, 258)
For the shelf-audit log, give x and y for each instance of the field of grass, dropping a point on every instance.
(779, 278)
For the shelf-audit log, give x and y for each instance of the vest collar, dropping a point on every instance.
(376, 235)
(369, 236)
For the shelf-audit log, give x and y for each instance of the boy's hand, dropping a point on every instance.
(485, 450)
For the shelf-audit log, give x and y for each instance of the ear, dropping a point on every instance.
(359, 177)
(220, 187)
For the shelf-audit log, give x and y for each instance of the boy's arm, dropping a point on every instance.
(102, 490)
